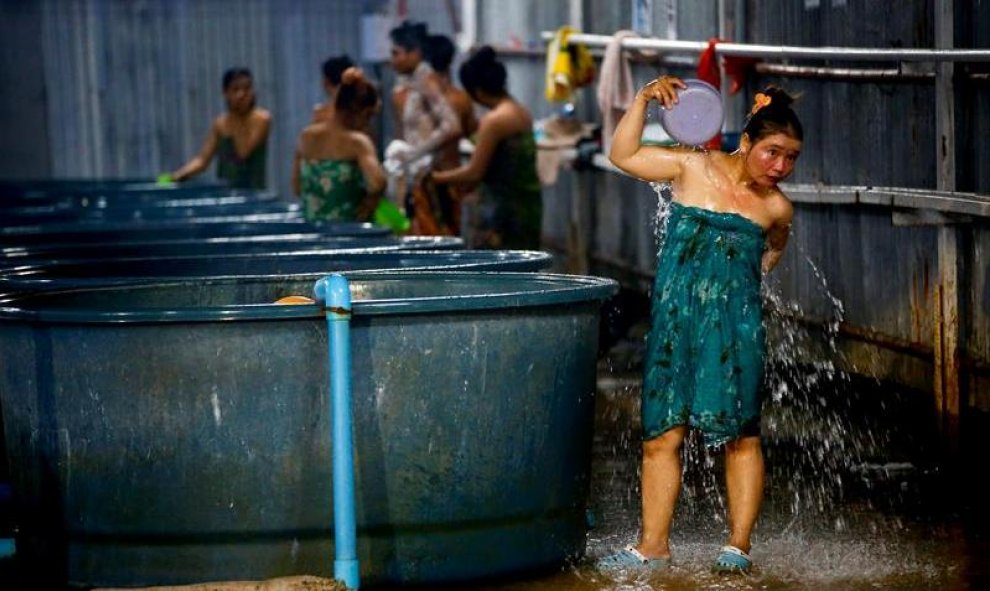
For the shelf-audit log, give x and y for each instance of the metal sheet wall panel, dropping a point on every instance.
(133, 86)
(24, 149)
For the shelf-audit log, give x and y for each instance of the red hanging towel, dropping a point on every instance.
(709, 72)
(736, 68)
(708, 64)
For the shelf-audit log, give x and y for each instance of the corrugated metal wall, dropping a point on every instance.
(133, 85)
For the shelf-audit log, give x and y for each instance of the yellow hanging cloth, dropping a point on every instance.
(569, 66)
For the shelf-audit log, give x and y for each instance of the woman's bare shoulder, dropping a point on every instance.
(780, 207)
(318, 128)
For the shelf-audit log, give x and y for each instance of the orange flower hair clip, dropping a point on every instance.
(759, 101)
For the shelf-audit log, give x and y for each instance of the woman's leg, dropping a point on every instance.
(744, 484)
(661, 485)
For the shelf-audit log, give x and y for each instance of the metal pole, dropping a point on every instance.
(867, 54)
(947, 368)
(335, 294)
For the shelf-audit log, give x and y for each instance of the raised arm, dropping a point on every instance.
(651, 163)
(200, 161)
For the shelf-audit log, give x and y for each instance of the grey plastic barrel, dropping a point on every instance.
(287, 243)
(300, 265)
(173, 229)
(172, 433)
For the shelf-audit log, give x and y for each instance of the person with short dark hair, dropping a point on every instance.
(510, 207)
(427, 117)
(333, 68)
(427, 121)
(727, 225)
(238, 138)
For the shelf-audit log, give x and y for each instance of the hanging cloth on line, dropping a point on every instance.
(569, 66)
(737, 68)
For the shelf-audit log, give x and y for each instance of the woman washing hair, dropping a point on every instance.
(503, 161)
(340, 177)
(728, 226)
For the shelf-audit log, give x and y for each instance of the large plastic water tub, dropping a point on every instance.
(173, 433)
(173, 230)
(205, 208)
(301, 265)
(104, 194)
(277, 243)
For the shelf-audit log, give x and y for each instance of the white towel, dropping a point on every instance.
(615, 86)
(397, 159)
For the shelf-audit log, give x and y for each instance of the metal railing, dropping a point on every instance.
(863, 54)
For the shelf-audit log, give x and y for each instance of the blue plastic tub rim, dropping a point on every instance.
(378, 251)
(541, 290)
(27, 276)
(411, 242)
(174, 224)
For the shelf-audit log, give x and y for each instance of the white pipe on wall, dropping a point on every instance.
(873, 54)
(469, 26)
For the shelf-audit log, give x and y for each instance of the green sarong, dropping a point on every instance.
(706, 347)
(331, 190)
(248, 173)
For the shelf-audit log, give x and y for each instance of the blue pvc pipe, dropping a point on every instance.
(335, 294)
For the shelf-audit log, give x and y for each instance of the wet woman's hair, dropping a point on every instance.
(439, 52)
(482, 71)
(355, 94)
(771, 113)
(334, 67)
(409, 36)
(233, 74)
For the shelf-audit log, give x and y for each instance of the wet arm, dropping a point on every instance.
(651, 163)
(777, 237)
(489, 135)
(374, 177)
(200, 161)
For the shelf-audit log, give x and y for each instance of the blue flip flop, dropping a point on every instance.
(732, 560)
(629, 558)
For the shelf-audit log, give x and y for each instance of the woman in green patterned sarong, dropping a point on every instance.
(727, 225)
(339, 176)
